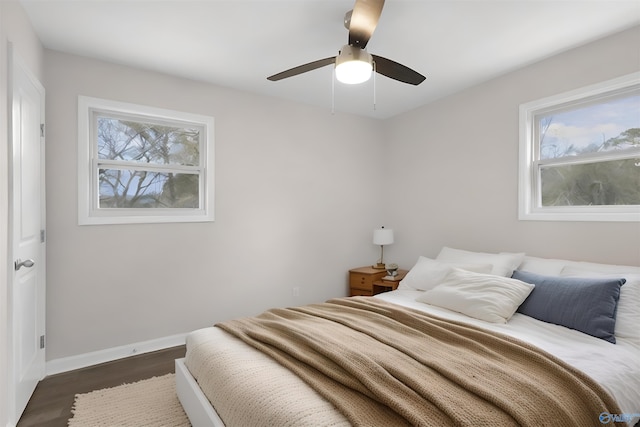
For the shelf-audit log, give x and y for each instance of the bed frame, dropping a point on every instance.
(202, 414)
(193, 400)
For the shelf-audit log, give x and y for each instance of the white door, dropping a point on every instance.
(26, 231)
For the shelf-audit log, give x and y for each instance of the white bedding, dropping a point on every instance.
(615, 366)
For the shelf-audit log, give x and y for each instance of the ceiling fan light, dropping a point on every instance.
(353, 65)
(353, 72)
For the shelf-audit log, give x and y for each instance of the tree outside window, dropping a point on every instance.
(145, 165)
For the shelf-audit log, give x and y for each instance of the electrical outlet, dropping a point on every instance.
(295, 291)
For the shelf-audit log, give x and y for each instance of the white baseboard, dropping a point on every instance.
(65, 364)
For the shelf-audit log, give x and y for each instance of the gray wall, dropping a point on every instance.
(296, 203)
(298, 191)
(455, 166)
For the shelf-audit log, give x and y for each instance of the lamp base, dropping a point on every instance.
(379, 266)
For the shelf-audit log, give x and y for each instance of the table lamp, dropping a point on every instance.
(382, 236)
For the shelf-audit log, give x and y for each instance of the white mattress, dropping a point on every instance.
(615, 366)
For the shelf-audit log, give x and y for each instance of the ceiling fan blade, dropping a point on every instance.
(396, 71)
(364, 20)
(302, 69)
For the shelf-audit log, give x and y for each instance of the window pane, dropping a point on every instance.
(143, 189)
(615, 182)
(611, 124)
(147, 143)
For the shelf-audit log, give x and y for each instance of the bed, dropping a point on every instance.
(563, 331)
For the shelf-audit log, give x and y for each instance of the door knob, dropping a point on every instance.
(26, 263)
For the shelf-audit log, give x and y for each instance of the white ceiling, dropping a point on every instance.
(238, 43)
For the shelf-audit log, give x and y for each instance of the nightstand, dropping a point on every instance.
(368, 281)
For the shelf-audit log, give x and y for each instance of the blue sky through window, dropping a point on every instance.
(588, 126)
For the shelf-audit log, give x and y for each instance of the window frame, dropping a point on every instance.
(529, 184)
(89, 212)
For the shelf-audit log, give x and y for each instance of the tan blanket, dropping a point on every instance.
(383, 364)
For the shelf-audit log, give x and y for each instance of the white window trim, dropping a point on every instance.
(88, 211)
(528, 193)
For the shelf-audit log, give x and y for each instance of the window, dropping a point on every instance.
(139, 164)
(580, 154)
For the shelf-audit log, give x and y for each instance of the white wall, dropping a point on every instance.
(14, 28)
(298, 193)
(296, 203)
(455, 166)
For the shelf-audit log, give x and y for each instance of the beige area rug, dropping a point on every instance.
(147, 403)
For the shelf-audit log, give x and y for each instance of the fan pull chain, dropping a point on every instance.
(374, 85)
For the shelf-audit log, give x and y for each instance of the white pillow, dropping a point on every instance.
(543, 266)
(503, 263)
(482, 296)
(428, 273)
(628, 313)
(595, 268)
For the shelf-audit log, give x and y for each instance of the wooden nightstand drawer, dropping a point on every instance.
(361, 280)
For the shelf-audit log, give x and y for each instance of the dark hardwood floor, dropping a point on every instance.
(51, 403)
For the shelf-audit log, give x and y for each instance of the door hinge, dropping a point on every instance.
(42, 234)
(42, 130)
(41, 341)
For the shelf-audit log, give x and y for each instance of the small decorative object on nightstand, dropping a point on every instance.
(369, 281)
(392, 272)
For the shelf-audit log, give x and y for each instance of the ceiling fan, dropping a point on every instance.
(354, 64)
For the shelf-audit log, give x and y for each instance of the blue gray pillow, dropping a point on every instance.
(586, 304)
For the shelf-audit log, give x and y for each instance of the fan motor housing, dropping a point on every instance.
(353, 53)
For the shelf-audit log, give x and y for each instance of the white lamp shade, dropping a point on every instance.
(383, 236)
